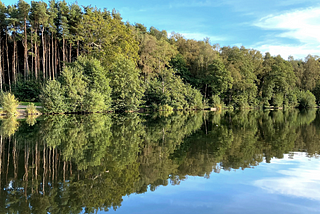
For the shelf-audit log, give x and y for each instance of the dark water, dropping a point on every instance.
(231, 162)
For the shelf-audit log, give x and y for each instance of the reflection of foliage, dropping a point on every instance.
(86, 163)
(31, 120)
(9, 126)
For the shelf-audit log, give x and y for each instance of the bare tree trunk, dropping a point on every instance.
(55, 58)
(32, 56)
(78, 47)
(43, 55)
(63, 52)
(13, 59)
(26, 66)
(52, 57)
(35, 59)
(49, 58)
(70, 50)
(8, 64)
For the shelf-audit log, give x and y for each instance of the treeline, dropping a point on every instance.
(68, 163)
(38, 42)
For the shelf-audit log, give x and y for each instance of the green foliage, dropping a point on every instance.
(316, 92)
(9, 104)
(53, 97)
(165, 108)
(292, 99)
(218, 77)
(31, 109)
(278, 100)
(27, 90)
(9, 126)
(127, 88)
(170, 90)
(93, 161)
(306, 99)
(83, 86)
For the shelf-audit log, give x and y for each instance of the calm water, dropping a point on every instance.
(231, 162)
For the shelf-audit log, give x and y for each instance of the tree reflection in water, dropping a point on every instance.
(71, 164)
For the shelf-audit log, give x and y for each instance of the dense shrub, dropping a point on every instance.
(83, 86)
(27, 90)
(169, 89)
(306, 99)
(127, 88)
(53, 98)
(9, 104)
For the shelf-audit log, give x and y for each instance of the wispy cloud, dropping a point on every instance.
(201, 36)
(302, 181)
(302, 26)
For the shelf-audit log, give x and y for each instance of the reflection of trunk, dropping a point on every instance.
(49, 160)
(205, 92)
(57, 164)
(36, 162)
(70, 168)
(44, 169)
(8, 162)
(64, 171)
(15, 166)
(0, 157)
(0, 65)
(26, 167)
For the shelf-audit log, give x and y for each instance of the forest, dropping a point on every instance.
(75, 58)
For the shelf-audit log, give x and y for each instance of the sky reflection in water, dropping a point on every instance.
(288, 185)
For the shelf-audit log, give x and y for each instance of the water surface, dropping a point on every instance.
(196, 162)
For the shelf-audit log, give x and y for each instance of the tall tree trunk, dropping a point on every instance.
(8, 64)
(32, 56)
(55, 57)
(52, 56)
(70, 50)
(49, 58)
(63, 52)
(39, 59)
(78, 47)
(13, 64)
(35, 58)
(43, 55)
(26, 66)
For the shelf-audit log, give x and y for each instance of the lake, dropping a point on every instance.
(184, 162)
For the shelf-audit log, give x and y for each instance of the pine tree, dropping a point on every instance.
(24, 9)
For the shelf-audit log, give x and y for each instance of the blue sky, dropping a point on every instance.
(285, 27)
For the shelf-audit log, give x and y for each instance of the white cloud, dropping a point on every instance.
(302, 181)
(298, 51)
(301, 25)
(201, 36)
